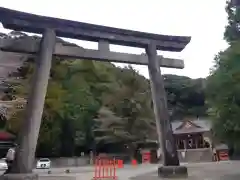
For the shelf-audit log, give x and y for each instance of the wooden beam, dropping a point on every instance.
(21, 21)
(31, 46)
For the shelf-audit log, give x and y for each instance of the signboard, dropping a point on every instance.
(146, 156)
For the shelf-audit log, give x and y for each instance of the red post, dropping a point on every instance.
(134, 162)
(114, 169)
(105, 168)
(120, 163)
(99, 168)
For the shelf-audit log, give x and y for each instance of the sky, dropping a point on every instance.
(203, 20)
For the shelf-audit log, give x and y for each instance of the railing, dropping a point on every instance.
(105, 168)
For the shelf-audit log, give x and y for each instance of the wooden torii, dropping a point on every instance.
(52, 27)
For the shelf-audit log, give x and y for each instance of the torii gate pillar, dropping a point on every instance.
(71, 29)
(34, 109)
(164, 130)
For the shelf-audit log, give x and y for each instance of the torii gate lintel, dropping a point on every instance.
(50, 27)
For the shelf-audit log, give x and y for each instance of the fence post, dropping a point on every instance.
(105, 168)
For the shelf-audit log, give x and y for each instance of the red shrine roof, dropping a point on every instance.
(6, 135)
(191, 126)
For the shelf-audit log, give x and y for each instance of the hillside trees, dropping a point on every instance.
(186, 96)
(90, 104)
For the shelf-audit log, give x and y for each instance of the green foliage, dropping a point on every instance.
(223, 94)
(223, 84)
(232, 31)
(186, 97)
(90, 104)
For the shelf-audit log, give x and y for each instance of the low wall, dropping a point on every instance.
(82, 161)
(69, 162)
(195, 155)
(191, 155)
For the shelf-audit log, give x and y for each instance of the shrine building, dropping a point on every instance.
(192, 134)
(193, 139)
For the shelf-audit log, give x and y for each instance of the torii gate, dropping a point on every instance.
(52, 27)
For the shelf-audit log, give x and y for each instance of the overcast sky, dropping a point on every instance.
(203, 20)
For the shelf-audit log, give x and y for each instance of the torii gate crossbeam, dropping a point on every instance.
(52, 27)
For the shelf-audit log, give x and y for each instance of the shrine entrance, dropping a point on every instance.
(50, 28)
(191, 141)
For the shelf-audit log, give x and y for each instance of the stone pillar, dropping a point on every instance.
(185, 143)
(196, 142)
(170, 156)
(25, 153)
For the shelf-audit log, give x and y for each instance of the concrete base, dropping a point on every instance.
(19, 177)
(172, 172)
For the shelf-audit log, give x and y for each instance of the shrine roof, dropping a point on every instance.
(191, 126)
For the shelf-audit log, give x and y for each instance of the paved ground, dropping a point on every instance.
(204, 171)
(198, 171)
(87, 173)
(82, 169)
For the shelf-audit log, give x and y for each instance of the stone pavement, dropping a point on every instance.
(197, 171)
(80, 169)
(203, 171)
(87, 173)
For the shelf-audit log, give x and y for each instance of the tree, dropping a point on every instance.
(111, 129)
(223, 84)
(223, 95)
(232, 31)
(131, 105)
(90, 103)
(85, 84)
(49, 132)
(186, 96)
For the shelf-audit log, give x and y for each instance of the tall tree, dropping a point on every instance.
(223, 88)
(223, 85)
(232, 31)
